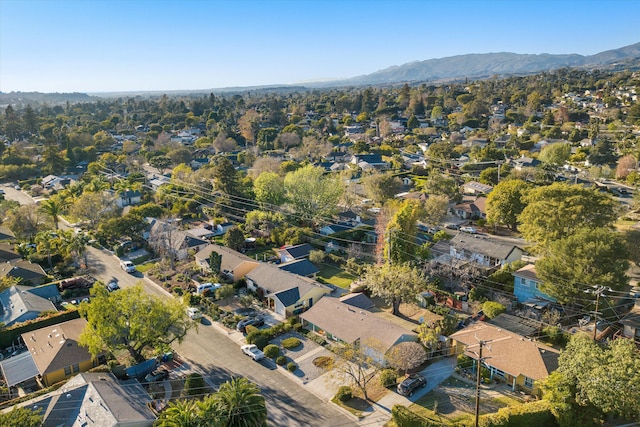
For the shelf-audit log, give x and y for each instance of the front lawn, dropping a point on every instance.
(335, 276)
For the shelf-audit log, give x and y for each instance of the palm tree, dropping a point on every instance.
(52, 207)
(47, 242)
(181, 413)
(239, 403)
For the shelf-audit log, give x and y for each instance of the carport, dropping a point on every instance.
(19, 368)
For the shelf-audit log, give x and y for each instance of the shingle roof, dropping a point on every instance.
(274, 280)
(288, 297)
(528, 272)
(482, 246)
(301, 267)
(24, 270)
(350, 324)
(19, 305)
(358, 300)
(298, 251)
(230, 258)
(55, 347)
(6, 234)
(510, 352)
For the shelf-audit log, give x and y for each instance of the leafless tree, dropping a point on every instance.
(406, 356)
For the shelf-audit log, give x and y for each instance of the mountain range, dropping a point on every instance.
(480, 65)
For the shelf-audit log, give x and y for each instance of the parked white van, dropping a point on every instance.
(207, 287)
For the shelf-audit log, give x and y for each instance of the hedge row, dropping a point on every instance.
(403, 417)
(536, 413)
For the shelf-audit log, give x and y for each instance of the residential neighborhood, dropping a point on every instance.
(380, 254)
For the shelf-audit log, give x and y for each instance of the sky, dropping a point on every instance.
(98, 46)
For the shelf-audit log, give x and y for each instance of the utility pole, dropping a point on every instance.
(478, 383)
(599, 290)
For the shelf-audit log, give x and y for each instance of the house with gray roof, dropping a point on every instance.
(6, 234)
(26, 271)
(479, 250)
(7, 253)
(96, 399)
(285, 293)
(342, 322)
(290, 253)
(18, 305)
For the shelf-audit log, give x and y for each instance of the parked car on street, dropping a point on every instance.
(253, 321)
(112, 286)
(127, 266)
(194, 313)
(211, 287)
(412, 382)
(253, 352)
(471, 230)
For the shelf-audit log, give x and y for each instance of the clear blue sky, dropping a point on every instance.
(128, 45)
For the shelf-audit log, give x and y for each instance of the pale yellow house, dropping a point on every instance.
(234, 265)
(512, 358)
(56, 353)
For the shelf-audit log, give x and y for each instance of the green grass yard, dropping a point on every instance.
(334, 276)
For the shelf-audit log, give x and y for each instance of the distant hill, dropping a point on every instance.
(24, 98)
(480, 65)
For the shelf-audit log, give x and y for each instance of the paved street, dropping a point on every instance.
(212, 353)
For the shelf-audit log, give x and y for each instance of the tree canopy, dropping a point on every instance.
(131, 319)
(311, 194)
(590, 257)
(393, 282)
(555, 211)
(505, 203)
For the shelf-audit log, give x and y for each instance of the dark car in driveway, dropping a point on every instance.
(155, 376)
(253, 321)
(410, 383)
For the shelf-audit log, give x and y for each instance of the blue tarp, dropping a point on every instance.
(141, 369)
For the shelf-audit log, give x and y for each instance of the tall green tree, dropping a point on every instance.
(394, 283)
(131, 320)
(269, 189)
(380, 187)
(506, 202)
(311, 194)
(555, 154)
(597, 256)
(21, 417)
(401, 246)
(234, 239)
(555, 211)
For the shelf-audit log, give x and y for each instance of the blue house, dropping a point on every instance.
(526, 285)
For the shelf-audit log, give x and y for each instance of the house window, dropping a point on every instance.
(498, 372)
(67, 370)
(76, 368)
(528, 382)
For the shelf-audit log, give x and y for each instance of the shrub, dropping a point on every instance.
(464, 361)
(492, 309)
(292, 342)
(344, 393)
(388, 377)
(177, 290)
(250, 328)
(281, 360)
(261, 341)
(536, 413)
(404, 417)
(291, 366)
(297, 327)
(194, 384)
(271, 351)
(316, 338)
(225, 292)
(323, 362)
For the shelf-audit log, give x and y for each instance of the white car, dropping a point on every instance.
(253, 352)
(127, 266)
(194, 313)
(470, 230)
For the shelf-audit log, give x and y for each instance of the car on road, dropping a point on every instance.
(17, 187)
(127, 266)
(452, 226)
(253, 352)
(245, 311)
(410, 383)
(253, 321)
(194, 313)
(470, 230)
(112, 286)
(155, 376)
